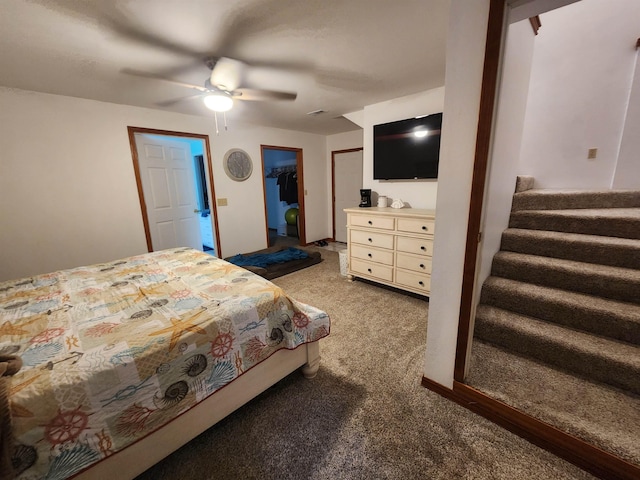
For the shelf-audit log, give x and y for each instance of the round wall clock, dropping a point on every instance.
(237, 164)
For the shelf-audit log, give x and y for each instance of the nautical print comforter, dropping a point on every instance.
(113, 351)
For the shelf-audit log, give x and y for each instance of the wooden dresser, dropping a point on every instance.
(392, 246)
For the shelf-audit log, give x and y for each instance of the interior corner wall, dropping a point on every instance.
(417, 193)
(463, 80)
(340, 141)
(68, 194)
(507, 140)
(344, 141)
(582, 69)
(627, 174)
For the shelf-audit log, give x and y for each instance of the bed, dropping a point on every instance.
(126, 361)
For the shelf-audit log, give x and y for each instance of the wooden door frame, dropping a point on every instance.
(302, 232)
(136, 168)
(333, 186)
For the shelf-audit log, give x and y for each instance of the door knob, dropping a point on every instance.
(195, 210)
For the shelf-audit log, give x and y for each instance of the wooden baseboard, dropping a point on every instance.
(582, 454)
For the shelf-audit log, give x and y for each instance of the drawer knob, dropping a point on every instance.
(370, 222)
(369, 270)
(423, 247)
(369, 255)
(425, 228)
(370, 240)
(421, 283)
(422, 265)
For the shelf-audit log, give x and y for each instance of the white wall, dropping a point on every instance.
(582, 71)
(344, 141)
(509, 124)
(627, 174)
(68, 194)
(463, 78)
(418, 193)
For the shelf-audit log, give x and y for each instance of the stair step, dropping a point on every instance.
(605, 416)
(607, 361)
(601, 316)
(545, 199)
(599, 280)
(610, 222)
(613, 251)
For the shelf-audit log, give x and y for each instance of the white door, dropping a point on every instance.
(347, 184)
(167, 177)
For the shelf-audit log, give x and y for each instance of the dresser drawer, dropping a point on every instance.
(416, 263)
(418, 281)
(416, 225)
(372, 254)
(383, 272)
(384, 223)
(419, 246)
(373, 239)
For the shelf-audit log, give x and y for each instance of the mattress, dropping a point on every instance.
(112, 352)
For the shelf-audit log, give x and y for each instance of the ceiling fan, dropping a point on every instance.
(223, 85)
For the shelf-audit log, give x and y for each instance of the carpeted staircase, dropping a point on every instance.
(565, 287)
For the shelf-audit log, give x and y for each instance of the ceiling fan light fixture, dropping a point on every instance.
(218, 102)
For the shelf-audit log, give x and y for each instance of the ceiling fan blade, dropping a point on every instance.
(255, 94)
(138, 73)
(227, 73)
(173, 101)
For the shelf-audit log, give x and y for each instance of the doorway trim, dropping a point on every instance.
(136, 168)
(333, 186)
(302, 235)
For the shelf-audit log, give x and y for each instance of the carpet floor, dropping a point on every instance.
(605, 416)
(365, 415)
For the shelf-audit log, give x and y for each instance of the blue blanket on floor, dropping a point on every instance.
(265, 259)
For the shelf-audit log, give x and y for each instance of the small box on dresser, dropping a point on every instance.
(392, 246)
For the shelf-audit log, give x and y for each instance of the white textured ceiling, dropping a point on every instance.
(337, 55)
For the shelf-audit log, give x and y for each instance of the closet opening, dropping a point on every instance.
(283, 195)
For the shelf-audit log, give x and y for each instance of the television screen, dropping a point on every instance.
(407, 149)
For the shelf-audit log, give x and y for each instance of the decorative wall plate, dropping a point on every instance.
(237, 164)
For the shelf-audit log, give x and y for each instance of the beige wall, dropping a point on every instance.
(68, 195)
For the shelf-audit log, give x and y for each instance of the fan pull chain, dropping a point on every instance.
(215, 115)
(224, 114)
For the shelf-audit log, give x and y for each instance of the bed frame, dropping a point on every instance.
(138, 457)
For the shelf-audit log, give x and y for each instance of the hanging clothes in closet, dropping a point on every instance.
(288, 182)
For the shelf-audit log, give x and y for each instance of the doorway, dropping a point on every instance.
(346, 181)
(495, 405)
(283, 188)
(175, 187)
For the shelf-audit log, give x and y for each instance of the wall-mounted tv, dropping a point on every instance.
(407, 149)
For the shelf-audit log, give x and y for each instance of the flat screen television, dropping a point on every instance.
(407, 149)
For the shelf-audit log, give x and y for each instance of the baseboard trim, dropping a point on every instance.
(572, 449)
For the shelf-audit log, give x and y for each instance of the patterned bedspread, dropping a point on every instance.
(113, 351)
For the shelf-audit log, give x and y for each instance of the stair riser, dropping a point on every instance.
(616, 227)
(559, 201)
(612, 255)
(624, 289)
(557, 355)
(601, 322)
